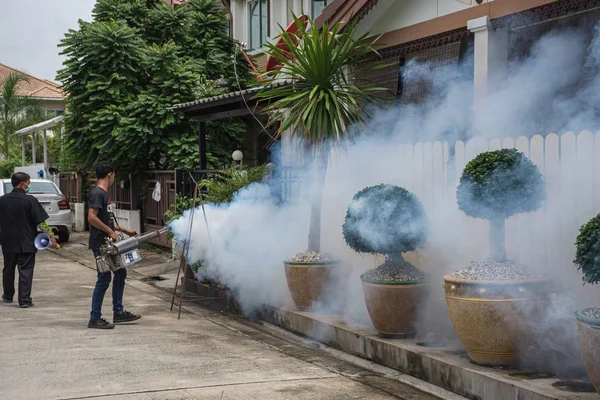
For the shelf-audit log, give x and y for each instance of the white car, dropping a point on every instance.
(53, 201)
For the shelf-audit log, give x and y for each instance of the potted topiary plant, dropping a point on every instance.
(587, 259)
(488, 300)
(389, 220)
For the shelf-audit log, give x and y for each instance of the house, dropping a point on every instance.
(48, 92)
(478, 37)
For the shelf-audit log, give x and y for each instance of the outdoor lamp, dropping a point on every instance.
(237, 155)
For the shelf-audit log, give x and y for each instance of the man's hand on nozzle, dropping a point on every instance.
(129, 232)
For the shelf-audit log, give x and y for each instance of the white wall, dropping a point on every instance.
(390, 15)
(129, 219)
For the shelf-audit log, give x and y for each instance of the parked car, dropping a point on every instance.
(53, 201)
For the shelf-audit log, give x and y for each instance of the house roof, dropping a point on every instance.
(34, 87)
(234, 104)
(344, 11)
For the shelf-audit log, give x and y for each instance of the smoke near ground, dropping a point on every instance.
(555, 87)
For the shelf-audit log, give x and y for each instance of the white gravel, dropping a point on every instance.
(311, 256)
(592, 313)
(390, 272)
(490, 270)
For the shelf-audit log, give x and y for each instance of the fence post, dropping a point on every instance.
(135, 182)
(178, 181)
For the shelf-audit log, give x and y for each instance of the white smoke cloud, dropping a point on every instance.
(543, 93)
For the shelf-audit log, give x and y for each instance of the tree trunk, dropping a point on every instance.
(498, 239)
(314, 231)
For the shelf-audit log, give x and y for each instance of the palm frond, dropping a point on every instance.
(321, 101)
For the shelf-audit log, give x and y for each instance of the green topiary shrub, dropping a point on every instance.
(587, 255)
(496, 185)
(386, 219)
(500, 183)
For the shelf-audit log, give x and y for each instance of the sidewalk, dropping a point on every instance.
(47, 352)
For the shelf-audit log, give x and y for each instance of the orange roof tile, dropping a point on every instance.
(34, 87)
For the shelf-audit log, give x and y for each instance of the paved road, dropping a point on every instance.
(47, 352)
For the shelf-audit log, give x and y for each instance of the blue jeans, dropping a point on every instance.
(102, 285)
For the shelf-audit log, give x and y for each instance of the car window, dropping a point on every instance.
(36, 187)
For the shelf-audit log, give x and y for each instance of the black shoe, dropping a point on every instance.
(100, 324)
(125, 316)
(4, 299)
(26, 305)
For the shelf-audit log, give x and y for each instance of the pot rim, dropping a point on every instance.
(451, 279)
(393, 283)
(595, 322)
(291, 263)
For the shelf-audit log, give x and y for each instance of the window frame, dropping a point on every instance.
(267, 28)
(312, 6)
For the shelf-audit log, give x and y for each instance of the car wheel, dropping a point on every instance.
(63, 236)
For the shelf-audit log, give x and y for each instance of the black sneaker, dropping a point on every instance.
(26, 305)
(100, 324)
(4, 299)
(125, 316)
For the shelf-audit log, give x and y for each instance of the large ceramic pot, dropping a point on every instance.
(493, 319)
(589, 341)
(308, 281)
(393, 306)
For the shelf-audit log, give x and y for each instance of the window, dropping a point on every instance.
(258, 11)
(36, 188)
(318, 6)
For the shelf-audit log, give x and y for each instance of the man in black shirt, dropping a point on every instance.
(102, 226)
(20, 216)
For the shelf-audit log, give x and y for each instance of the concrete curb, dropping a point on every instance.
(444, 368)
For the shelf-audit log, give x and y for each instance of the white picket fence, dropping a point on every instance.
(569, 163)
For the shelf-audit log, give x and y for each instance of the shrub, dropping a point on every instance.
(7, 167)
(385, 219)
(499, 184)
(587, 255)
(222, 185)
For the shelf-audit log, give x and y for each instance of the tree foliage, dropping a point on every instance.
(320, 100)
(499, 184)
(222, 186)
(385, 219)
(16, 112)
(587, 256)
(127, 68)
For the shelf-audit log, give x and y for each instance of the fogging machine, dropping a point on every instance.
(115, 255)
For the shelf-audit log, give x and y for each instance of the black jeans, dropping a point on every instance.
(26, 263)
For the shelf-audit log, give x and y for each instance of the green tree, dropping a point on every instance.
(127, 68)
(16, 111)
(322, 102)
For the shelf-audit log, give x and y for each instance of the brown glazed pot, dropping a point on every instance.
(393, 306)
(308, 281)
(589, 341)
(492, 319)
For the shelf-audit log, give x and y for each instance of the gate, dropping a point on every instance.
(154, 211)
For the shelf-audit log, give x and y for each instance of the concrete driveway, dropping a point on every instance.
(47, 352)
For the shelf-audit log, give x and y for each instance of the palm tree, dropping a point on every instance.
(321, 101)
(16, 111)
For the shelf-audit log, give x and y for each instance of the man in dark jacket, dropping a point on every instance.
(20, 215)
